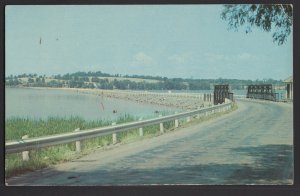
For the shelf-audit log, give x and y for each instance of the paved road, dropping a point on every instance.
(252, 145)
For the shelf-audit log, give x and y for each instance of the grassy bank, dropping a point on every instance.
(15, 128)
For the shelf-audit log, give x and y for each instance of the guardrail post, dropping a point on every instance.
(77, 143)
(161, 126)
(141, 129)
(114, 135)
(176, 121)
(25, 154)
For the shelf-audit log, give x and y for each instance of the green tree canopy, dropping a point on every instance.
(275, 17)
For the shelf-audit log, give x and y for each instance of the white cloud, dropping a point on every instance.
(216, 57)
(246, 56)
(233, 65)
(233, 59)
(180, 58)
(142, 59)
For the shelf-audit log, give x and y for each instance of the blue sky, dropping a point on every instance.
(188, 41)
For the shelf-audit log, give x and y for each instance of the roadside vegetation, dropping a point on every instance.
(15, 128)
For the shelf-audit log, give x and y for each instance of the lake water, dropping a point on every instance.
(42, 103)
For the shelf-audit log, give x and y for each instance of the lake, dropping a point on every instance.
(42, 103)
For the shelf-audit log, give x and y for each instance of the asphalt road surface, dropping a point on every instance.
(252, 145)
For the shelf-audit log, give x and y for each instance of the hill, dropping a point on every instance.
(134, 82)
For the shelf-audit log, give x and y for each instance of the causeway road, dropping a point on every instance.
(252, 145)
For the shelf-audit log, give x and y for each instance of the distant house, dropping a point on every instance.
(95, 85)
(289, 87)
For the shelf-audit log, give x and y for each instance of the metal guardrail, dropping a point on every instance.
(41, 142)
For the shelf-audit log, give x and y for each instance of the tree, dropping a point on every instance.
(95, 79)
(10, 82)
(16, 82)
(30, 80)
(277, 17)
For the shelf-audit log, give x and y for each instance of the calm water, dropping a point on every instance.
(41, 103)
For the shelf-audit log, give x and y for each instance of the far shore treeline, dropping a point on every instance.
(125, 82)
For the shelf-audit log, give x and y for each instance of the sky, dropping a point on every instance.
(186, 41)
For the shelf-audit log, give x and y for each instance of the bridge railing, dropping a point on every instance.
(42, 142)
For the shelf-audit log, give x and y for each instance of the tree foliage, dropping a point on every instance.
(277, 18)
(81, 80)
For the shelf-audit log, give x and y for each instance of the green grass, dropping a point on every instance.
(15, 128)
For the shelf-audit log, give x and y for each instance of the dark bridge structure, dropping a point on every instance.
(221, 92)
(262, 91)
